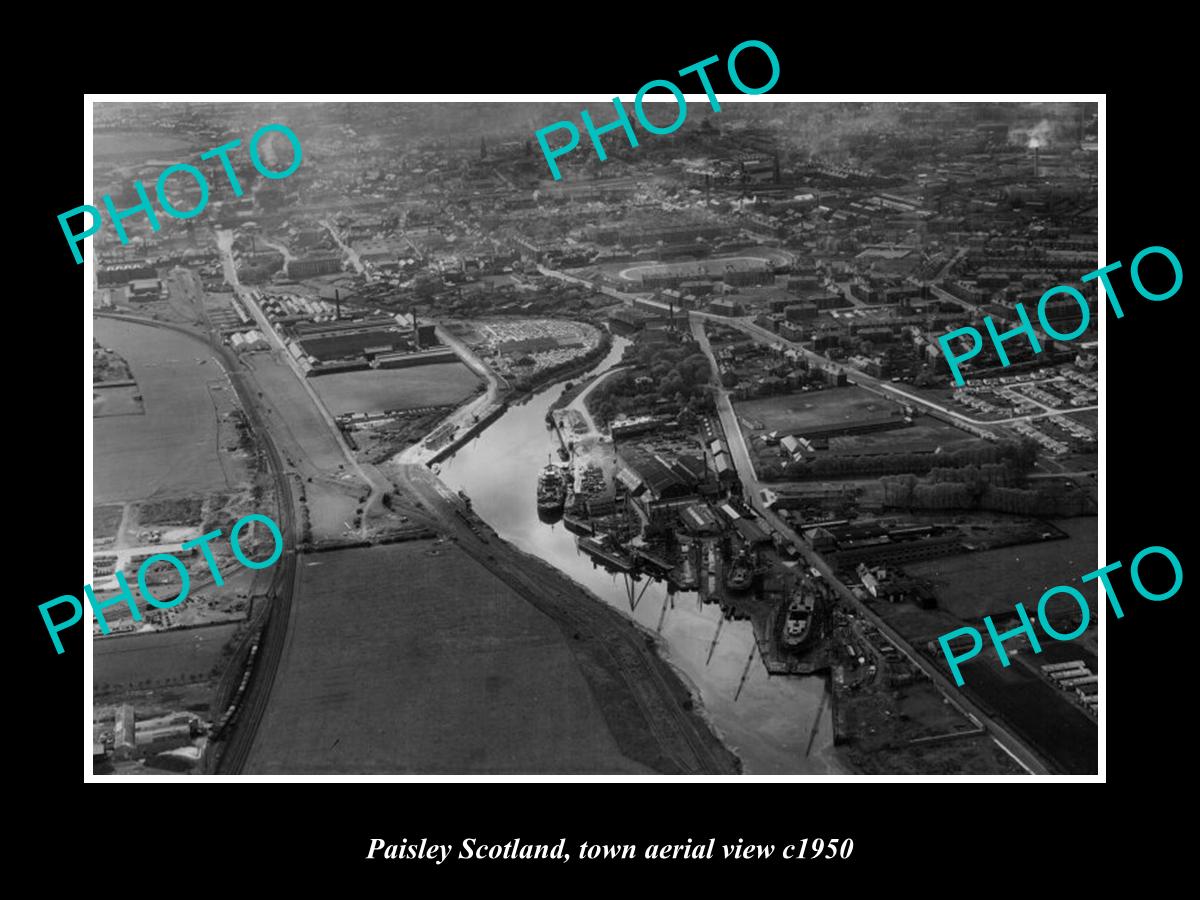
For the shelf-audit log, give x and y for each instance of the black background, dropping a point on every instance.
(933, 837)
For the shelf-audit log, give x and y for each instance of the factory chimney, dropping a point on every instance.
(416, 332)
(671, 306)
(707, 189)
(337, 299)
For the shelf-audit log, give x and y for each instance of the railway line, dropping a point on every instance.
(244, 725)
(616, 637)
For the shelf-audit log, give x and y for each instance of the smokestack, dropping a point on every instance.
(416, 332)
(707, 189)
(671, 306)
(337, 299)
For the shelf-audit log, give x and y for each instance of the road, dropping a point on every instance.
(275, 245)
(944, 270)
(752, 487)
(742, 461)
(579, 404)
(376, 483)
(355, 261)
(465, 415)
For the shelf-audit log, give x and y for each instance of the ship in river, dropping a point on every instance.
(598, 548)
(551, 490)
(797, 624)
(577, 524)
(741, 573)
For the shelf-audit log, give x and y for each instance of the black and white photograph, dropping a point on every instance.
(475, 437)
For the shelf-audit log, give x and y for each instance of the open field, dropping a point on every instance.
(300, 431)
(1056, 727)
(116, 401)
(978, 755)
(1090, 418)
(427, 665)
(174, 445)
(129, 660)
(106, 520)
(991, 582)
(380, 390)
(791, 413)
(925, 434)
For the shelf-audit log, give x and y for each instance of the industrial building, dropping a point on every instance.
(312, 266)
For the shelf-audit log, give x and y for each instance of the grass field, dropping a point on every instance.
(116, 401)
(300, 431)
(794, 412)
(378, 390)
(966, 756)
(926, 434)
(106, 520)
(1090, 418)
(185, 511)
(993, 581)
(400, 660)
(1058, 728)
(155, 657)
(173, 446)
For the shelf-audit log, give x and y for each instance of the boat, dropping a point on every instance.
(595, 547)
(551, 489)
(685, 573)
(741, 573)
(797, 625)
(577, 524)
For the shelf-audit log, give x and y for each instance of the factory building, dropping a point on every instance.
(143, 289)
(312, 266)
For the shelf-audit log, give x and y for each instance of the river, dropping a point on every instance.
(769, 724)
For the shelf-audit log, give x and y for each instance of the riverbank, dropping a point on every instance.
(774, 725)
(650, 712)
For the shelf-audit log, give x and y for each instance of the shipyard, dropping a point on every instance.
(655, 468)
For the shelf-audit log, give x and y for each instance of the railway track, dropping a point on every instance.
(274, 632)
(244, 725)
(638, 666)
